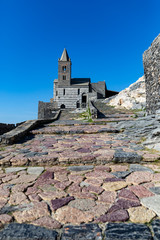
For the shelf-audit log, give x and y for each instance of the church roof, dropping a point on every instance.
(64, 56)
(80, 81)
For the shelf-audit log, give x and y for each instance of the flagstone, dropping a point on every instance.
(71, 215)
(39, 209)
(115, 216)
(140, 214)
(48, 196)
(140, 191)
(107, 197)
(5, 218)
(47, 222)
(18, 198)
(82, 204)
(114, 186)
(93, 189)
(99, 175)
(152, 203)
(94, 181)
(139, 177)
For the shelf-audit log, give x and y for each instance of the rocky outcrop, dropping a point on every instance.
(133, 97)
(6, 127)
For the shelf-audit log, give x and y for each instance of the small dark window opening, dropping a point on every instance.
(64, 77)
(78, 104)
(64, 68)
(64, 92)
(56, 93)
(78, 91)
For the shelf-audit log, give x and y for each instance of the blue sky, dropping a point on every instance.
(105, 40)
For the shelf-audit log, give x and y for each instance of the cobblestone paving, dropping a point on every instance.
(47, 191)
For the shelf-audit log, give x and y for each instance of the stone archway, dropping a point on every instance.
(63, 106)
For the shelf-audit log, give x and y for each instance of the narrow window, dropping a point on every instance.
(64, 92)
(56, 93)
(78, 91)
(64, 77)
(64, 68)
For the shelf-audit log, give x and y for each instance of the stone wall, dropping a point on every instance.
(6, 127)
(46, 110)
(69, 96)
(151, 63)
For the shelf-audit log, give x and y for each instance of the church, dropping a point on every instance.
(74, 92)
(71, 93)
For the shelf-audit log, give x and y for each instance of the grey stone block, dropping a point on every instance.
(80, 168)
(16, 231)
(137, 167)
(152, 203)
(130, 231)
(126, 157)
(121, 174)
(155, 190)
(156, 229)
(83, 232)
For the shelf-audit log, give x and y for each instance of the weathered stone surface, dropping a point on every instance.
(155, 190)
(40, 209)
(125, 203)
(14, 169)
(119, 168)
(4, 193)
(133, 97)
(93, 189)
(58, 203)
(82, 204)
(80, 168)
(126, 157)
(72, 215)
(15, 231)
(102, 168)
(156, 177)
(121, 174)
(75, 178)
(156, 229)
(140, 191)
(127, 194)
(138, 167)
(99, 209)
(48, 196)
(35, 170)
(114, 186)
(83, 232)
(94, 181)
(99, 175)
(152, 203)
(114, 216)
(128, 231)
(141, 214)
(24, 179)
(44, 178)
(151, 72)
(62, 185)
(139, 177)
(18, 198)
(107, 197)
(47, 222)
(5, 218)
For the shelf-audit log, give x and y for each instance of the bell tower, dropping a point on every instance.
(64, 70)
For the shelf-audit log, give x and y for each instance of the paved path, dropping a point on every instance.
(44, 183)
